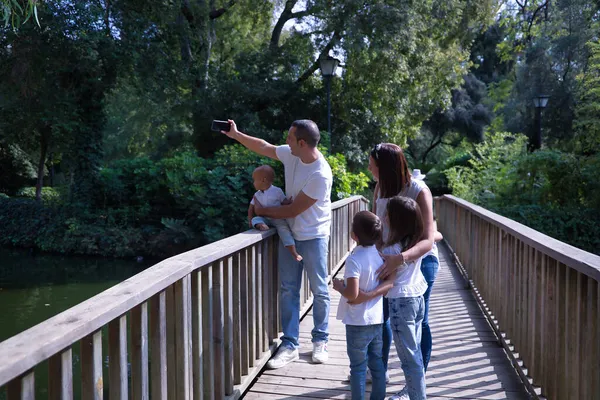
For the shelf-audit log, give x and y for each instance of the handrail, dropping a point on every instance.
(581, 260)
(541, 296)
(199, 303)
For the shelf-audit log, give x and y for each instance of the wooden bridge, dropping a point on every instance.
(514, 314)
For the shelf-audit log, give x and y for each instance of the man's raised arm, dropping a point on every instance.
(257, 145)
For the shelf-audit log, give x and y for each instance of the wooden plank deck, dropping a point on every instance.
(467, 361)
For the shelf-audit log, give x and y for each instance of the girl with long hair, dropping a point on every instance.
(405, 298)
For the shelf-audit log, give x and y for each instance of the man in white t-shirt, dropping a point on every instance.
(308, 181)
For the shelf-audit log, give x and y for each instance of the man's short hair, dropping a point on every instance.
(308, 131)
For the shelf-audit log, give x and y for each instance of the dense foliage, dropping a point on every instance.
(105, 110)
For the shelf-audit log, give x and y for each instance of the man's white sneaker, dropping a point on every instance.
(284, 356)
(401, 395)
(319, 353)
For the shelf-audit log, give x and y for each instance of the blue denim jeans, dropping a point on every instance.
(429, 268)
(283, 229)
(314, 261)
(387, 333)
(406, 316)
(363, 344)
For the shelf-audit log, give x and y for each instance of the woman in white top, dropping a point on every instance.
(390, 169)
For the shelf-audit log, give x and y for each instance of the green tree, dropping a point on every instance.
(587, 123)
(17, 12)
(54, 81)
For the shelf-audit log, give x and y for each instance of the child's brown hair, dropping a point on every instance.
(367, 228)
(406, 222)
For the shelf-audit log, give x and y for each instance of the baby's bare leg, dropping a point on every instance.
(292, 249)
(262, 227)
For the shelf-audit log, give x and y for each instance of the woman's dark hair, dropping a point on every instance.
(406, 222)
(367, 228)
(394, 174)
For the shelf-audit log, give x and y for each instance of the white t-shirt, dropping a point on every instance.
(409, 281)
(362, 264)
(314, 180)
(272, 197)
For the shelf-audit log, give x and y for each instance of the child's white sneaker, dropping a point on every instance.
(401, 395)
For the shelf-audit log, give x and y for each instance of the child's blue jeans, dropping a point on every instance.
(364, 348)
(283, 229)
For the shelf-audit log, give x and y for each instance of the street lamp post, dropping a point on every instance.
(540, 102)
(328, 65)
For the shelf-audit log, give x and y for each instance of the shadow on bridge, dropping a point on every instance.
(467, 360)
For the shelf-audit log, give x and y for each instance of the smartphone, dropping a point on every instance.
(219, 126)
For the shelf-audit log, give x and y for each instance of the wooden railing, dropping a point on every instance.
(199, 325)
(541, 295)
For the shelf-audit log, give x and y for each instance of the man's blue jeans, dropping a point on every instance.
(314, 261)
(363, 344)
(406, 316)
(429, 268)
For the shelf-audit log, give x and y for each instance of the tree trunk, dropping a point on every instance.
(430, 148)
(44, 136)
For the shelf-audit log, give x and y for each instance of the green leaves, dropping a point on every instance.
(14, 13)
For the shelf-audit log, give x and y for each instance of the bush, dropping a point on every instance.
(155, 208)
(49, 194)
(576, 226)
(554, 192)
(345, 183)
(17, 169)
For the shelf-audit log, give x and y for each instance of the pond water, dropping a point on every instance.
(35, 287)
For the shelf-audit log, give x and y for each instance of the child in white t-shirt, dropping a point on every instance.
(270, 195)
(363, 321)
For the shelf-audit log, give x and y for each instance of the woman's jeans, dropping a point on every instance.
(429, 268)
(406, 317)
(387, 333)
(363, 345)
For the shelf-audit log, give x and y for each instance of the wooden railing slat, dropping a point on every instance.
(236, 325)
(217, 331)
(183, 344)
(171, 343)
(244, 309)
(117, 359)
(60, 376)
(258, 294)
(158, 346)
(140, 389)
(208, 367)
(92, 385)
(252, 306)
(228, 325)
(197, 337)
